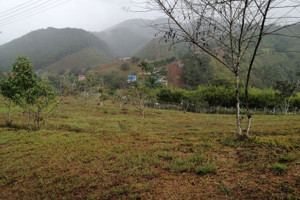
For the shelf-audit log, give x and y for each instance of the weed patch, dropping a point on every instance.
(184, 164)
(166, 155)
(288, 158)
(279, 169)
(206, 169)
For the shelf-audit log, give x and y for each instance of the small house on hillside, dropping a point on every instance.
(131, 78)
(162, 80)
(125, 59)
(81, 77)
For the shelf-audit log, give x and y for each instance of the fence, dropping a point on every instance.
(222, 110)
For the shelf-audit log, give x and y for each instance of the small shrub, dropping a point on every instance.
(196, 158)
(186, 144)
(122, 127)
(125, 66)
(287, 158)
(179, 165)
(279, 169)
(184, 164)
(206, 169)
(167, 155)
(167, 148)
(207, 145)
(225, 189)
(238, 141)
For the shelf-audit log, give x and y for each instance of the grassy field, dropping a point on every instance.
(93, 152)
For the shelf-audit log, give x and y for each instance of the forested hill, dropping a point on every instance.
(52, 46)
(278, 58)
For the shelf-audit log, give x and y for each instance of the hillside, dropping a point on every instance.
(58, 48)
(115, 66)
(128, 37)
(156, 50)
(278, 58)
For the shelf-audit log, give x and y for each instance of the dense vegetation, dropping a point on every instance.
(278, 59)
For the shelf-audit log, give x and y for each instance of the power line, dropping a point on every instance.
(26, 10)
(25, 15)
(15, 7)
(12, 10)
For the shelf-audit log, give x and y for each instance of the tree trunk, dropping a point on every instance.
(285, 106)
(28, 119)
(237, 96)
(9, 122)
(249, 124)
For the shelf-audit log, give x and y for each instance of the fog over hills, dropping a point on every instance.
(129, 36)
(69, 49)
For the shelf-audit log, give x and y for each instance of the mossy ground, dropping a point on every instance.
(93, 152)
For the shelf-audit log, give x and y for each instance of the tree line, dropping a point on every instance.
(38, 97)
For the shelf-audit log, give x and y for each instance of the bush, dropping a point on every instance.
(279, 169)
(125, 66)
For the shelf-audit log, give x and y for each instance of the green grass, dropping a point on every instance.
(279, 169)
(95, 152)
(288, 158)
(184, 164)
(206, 169)
(166, 155)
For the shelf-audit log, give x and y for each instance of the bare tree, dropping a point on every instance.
(230, 31)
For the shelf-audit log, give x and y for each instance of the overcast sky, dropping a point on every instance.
(18, 17)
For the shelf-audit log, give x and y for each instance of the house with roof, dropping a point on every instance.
(131, 78)
(81, 77)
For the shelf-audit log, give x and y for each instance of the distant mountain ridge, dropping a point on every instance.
(128, 37)
(69, 49)
(45, 47)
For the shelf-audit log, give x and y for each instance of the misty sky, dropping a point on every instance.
(91, 15)
(18, 17)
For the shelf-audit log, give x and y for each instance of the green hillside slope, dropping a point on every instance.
(83, 59)
(47, 46)
(278, 58)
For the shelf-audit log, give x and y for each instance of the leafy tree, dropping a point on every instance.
(140, 95)
(125, 66)
(5, 89)
(197, 69)
(285, 91)
(115, 80)
(24, 89)
(135, 59)
(145, 66)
